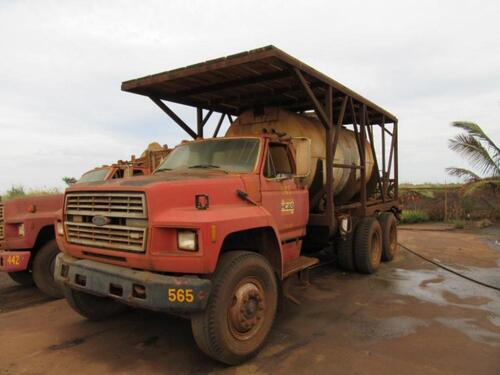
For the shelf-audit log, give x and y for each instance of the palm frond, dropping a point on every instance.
(472, 187)
(462, 173)
(472, 149)
(476, 131)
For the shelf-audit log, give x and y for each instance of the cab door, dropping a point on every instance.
(282, 195)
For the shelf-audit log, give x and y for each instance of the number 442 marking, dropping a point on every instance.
(180, 295)
(13, 260)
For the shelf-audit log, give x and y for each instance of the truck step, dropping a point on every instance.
(298, 264)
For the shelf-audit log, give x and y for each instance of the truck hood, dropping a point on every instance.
(173, 189)
(184, 176)
(37, 206)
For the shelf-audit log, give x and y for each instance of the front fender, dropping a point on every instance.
(213, 225)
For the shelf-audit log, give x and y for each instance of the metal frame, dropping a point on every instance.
(297, 87)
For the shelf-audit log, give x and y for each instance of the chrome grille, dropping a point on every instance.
(107, 236)
(127, 205)
(1, 222)
(125, 227)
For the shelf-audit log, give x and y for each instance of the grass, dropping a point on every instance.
(414, 216)
(458, 224)
(18, 191)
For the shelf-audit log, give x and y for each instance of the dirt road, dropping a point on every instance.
(411, 317)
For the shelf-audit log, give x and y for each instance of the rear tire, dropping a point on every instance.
(24, 278)
(92, 307)
(241, 308)
(387, 222)
(368, 245)
(43, 270)
(345, 252)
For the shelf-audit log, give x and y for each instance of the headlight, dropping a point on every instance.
(60, 228)
(20, 230)
(187, 240)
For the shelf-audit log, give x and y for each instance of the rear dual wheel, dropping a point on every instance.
(368, 245)
(372, 241)
(241, 309)
(389, 236)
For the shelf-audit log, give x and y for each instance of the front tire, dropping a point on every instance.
(368, 245)
(43, 270)
(24, 278)
(241, 309)
(92, 307)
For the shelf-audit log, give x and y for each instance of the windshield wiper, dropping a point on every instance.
(163, 169)
(208, 166)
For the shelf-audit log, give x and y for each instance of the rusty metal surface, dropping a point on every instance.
(101, 279)
(244, 80)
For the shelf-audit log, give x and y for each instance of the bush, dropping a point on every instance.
(458, 224)
(414, 216)
(18, 191)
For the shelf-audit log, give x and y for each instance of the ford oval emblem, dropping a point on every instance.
(100, 220)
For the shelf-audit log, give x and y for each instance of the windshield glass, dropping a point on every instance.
(94, 176)
(230, 155)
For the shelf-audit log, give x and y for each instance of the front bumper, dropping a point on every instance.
(14, 261)
(144, 289)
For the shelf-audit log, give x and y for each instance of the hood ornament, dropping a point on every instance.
(100, 220)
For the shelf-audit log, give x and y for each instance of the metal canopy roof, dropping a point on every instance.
(256, 78)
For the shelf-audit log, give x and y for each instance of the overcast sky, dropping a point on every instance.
(62, 63)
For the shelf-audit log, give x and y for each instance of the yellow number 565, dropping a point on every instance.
(180, 295)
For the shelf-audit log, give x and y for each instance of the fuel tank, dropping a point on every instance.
(346, 180)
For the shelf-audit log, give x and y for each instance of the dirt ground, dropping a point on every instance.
(411, 317)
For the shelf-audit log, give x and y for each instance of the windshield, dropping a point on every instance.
(230, 155)
(94, 176)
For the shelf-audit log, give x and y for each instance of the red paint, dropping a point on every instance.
(170, 200)
(14, 261)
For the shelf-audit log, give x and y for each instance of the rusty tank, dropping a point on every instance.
(346, 180)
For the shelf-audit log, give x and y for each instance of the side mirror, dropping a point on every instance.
(302, 147)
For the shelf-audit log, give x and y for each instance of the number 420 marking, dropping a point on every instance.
(180, 295)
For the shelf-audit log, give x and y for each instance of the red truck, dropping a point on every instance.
(225, 222)
(27, 239)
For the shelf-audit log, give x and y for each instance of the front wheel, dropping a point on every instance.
(241, 309)
(43, 270)
(22, 277)
(92, 307)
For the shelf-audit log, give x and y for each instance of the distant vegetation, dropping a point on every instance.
(414, 216)
(69, 180)
(18, 191)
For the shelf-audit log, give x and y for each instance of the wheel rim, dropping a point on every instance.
(376, 247)
(247, 310)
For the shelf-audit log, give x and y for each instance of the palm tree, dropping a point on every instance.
(478, 149)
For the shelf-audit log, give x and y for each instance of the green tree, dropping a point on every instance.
(69, 180)
(480, 150)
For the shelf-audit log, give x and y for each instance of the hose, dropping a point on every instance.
(449, 269)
